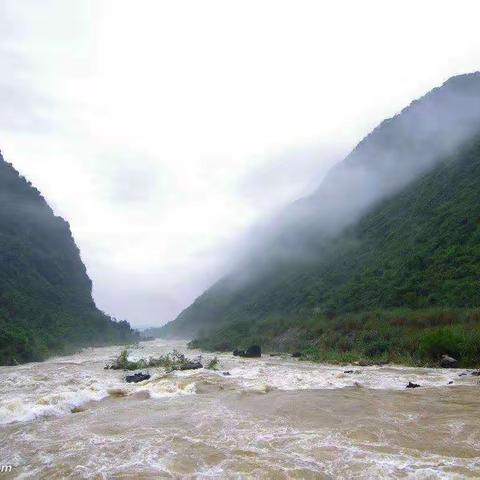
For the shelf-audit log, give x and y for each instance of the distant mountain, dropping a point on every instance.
(46, 304)
(396, 225)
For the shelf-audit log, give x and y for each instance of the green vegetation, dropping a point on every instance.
(414, 261)
(400, 284)
(170, 362)
(411, 337)
(213, 364)
(46, 305)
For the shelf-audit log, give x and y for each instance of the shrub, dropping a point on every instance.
(170, 362)
(376, 348)
(213, 364)
(437, 343)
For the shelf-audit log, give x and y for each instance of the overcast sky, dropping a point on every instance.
(161, 130)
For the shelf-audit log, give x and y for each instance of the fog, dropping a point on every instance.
(428, 131)
(399, 150)
(166, 132)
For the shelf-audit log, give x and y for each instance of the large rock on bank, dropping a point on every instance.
(448, 362)
(254, 351)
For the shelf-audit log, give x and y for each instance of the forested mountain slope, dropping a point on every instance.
(412, 263)
(46, 303)
(395, 226)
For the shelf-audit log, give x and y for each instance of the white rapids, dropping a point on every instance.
(273, 417)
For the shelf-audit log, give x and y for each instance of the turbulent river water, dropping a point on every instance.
(272, 418)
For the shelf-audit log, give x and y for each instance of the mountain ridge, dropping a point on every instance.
(401, 149)
(46, 304)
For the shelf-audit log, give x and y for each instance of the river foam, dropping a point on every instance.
(273, 417)
(62, 384)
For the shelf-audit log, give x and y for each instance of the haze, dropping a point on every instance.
(162, 130)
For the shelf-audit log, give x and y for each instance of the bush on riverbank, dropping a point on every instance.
(411, 337)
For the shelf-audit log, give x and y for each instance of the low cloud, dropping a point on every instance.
(165, 147)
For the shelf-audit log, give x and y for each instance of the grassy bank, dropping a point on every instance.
(404, 336)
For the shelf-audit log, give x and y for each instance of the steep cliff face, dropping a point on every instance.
(46, 303)
(337, 251)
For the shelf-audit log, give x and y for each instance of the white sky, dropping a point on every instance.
(163, 129)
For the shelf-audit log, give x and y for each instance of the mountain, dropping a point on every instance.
(46, 304)
(382, 260)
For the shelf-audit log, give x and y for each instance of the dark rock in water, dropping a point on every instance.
(191, 366)
(476, 373)
(296, 354)
(253, 351)
(79, 409)
(465, 373)
(448, 362)
(227, 374)
(412, 385)
(137, 377)
(450, 382)
(348, 371)
(237, 353)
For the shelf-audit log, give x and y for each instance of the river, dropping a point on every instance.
(274, 417)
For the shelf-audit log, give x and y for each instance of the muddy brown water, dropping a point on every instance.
(272, 418)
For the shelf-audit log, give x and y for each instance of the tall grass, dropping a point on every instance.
(411, 337)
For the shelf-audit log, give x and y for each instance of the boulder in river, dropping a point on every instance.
(476, 373)
(412, 385)
(236, 353)
(137, 377)
(448, 362)
(296, 354)
(189, 365)
(254, 351)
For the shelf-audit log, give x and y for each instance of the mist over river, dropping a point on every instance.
(272, 418)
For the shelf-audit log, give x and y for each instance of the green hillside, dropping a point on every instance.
(401, 282)
(406, 275)
(46, 304)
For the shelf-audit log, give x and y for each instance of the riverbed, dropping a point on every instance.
(272, 417)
